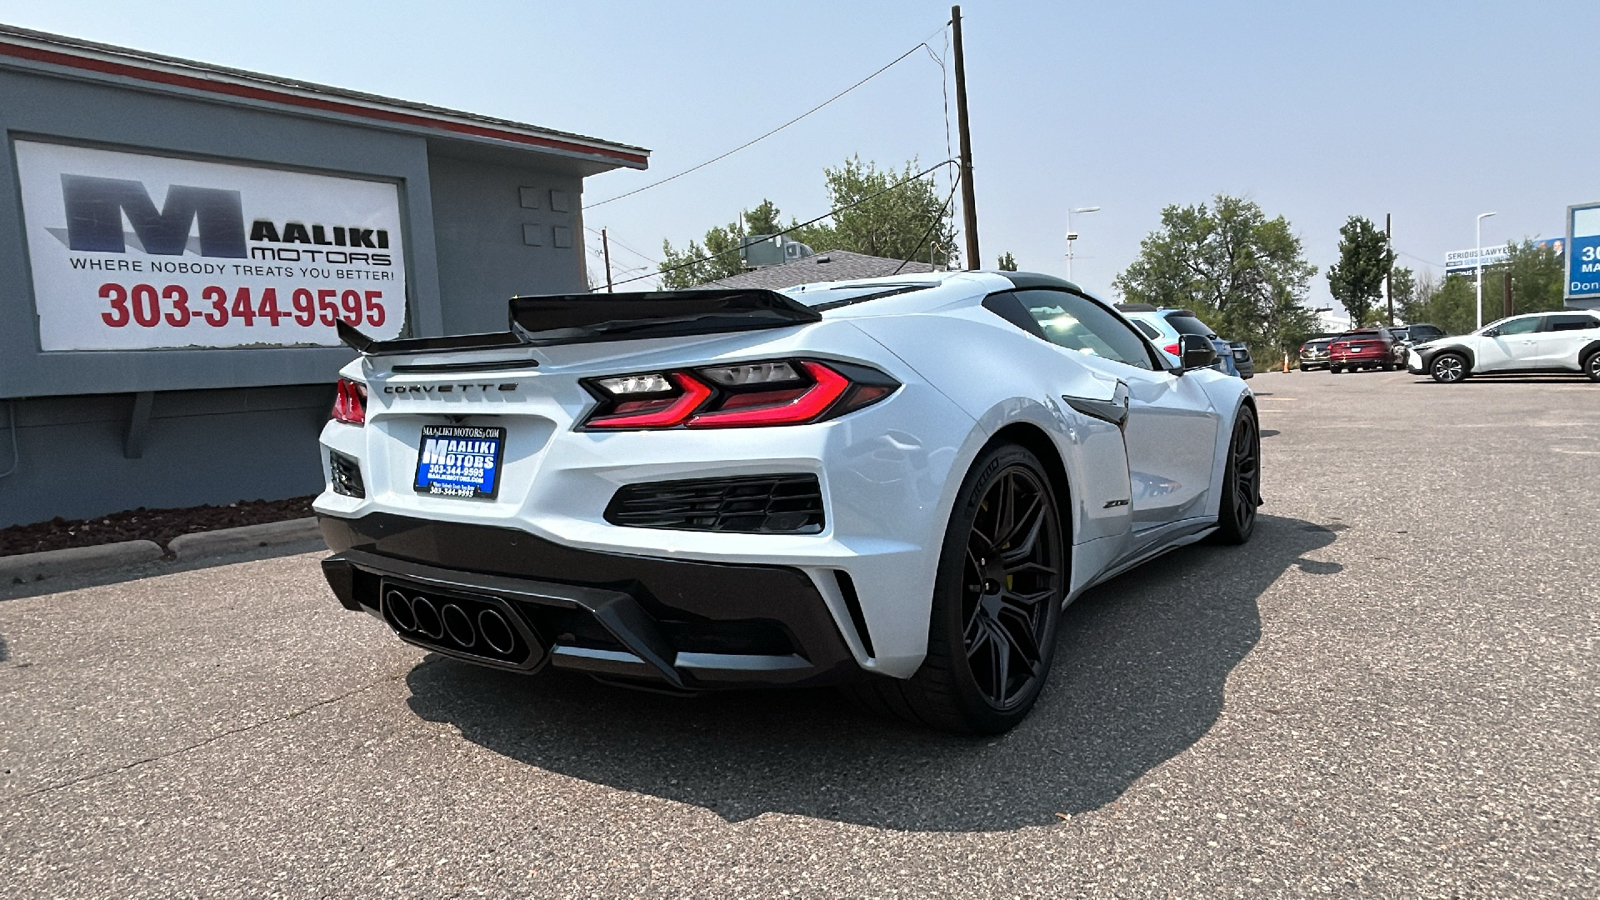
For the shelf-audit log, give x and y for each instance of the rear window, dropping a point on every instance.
(1191, 325)
(1572, 323)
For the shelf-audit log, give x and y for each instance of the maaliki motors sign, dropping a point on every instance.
(132, 252)
(1583, 262)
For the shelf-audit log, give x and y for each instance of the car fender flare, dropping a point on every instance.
(1220, 459)
(1588, 351)
(1459, 349)
(1033, 425)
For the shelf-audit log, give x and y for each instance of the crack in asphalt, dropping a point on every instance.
(291, 715)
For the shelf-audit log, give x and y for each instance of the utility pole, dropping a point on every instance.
(1505, 292)
(969, 209)
(605, 245)
(1388, 277)
(1478, 253)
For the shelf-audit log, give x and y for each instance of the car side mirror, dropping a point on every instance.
(1493, 332)
(1195, 352)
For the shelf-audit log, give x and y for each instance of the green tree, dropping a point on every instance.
(1356, 280)
(1537, 279)
(1244, 273)
(908, 222)
(1450, 303)
(1006, 262)
(719, 258)
(763, 219)
(1403, 290)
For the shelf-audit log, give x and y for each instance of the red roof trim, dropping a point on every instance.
(333, 106)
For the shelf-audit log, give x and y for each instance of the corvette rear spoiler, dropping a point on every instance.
(585, 318)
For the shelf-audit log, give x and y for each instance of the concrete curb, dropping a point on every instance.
(232, 540)
(26, 567)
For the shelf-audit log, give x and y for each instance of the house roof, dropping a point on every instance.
(24, 48)
(833, 265)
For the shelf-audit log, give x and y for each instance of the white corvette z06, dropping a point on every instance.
(897, 484)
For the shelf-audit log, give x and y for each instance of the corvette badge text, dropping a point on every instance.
(425, 389)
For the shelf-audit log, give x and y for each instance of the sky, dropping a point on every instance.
(1431, 112)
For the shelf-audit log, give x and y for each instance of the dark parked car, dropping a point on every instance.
(1421, 333)
(1242, 360)
(1314, 352)
(1365, 348)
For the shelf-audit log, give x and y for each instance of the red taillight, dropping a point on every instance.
(1172, 348)
(784, 407)
(350, 404)
(744, 395)
(656, 412)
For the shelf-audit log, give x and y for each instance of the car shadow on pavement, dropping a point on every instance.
(1139, 677)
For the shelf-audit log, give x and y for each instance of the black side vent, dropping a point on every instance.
(762, 504)
(346, 475)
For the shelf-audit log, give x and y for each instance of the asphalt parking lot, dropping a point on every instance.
(1393, 690)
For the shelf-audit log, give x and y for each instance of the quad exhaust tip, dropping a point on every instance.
(456, 625)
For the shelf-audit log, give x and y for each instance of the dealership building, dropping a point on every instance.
(179, 240)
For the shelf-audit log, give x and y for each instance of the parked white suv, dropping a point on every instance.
(1557, 341)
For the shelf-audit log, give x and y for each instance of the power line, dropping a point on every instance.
(919, 46)
(831, 212)
(944, 90)
(932, 225)
(648, 259)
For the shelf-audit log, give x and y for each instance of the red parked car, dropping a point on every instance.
(1365, 348)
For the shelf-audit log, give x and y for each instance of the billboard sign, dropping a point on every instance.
(1583, 254)
(1467, 260)
(130, 251)
(1463, 262)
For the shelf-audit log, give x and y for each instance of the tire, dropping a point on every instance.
(983, 623)
(1241, 482)
(1591, 366)
(1448, 368)
(1335, 370)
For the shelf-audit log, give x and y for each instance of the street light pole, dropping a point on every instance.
(1478, 258)
(1072, 235)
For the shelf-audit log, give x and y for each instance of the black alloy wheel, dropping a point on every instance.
(1448, 368)
(997, 603)
(1010, 579)
(1241, 481)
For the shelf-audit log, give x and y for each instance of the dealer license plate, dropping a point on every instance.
(460, 461)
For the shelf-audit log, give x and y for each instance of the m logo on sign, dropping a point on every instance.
(95, 207)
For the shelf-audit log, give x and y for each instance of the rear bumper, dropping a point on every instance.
(679, 623)
(1365, 359)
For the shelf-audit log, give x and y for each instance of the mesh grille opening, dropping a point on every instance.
(761, 504)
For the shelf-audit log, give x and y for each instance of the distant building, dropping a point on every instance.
(833, 265)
